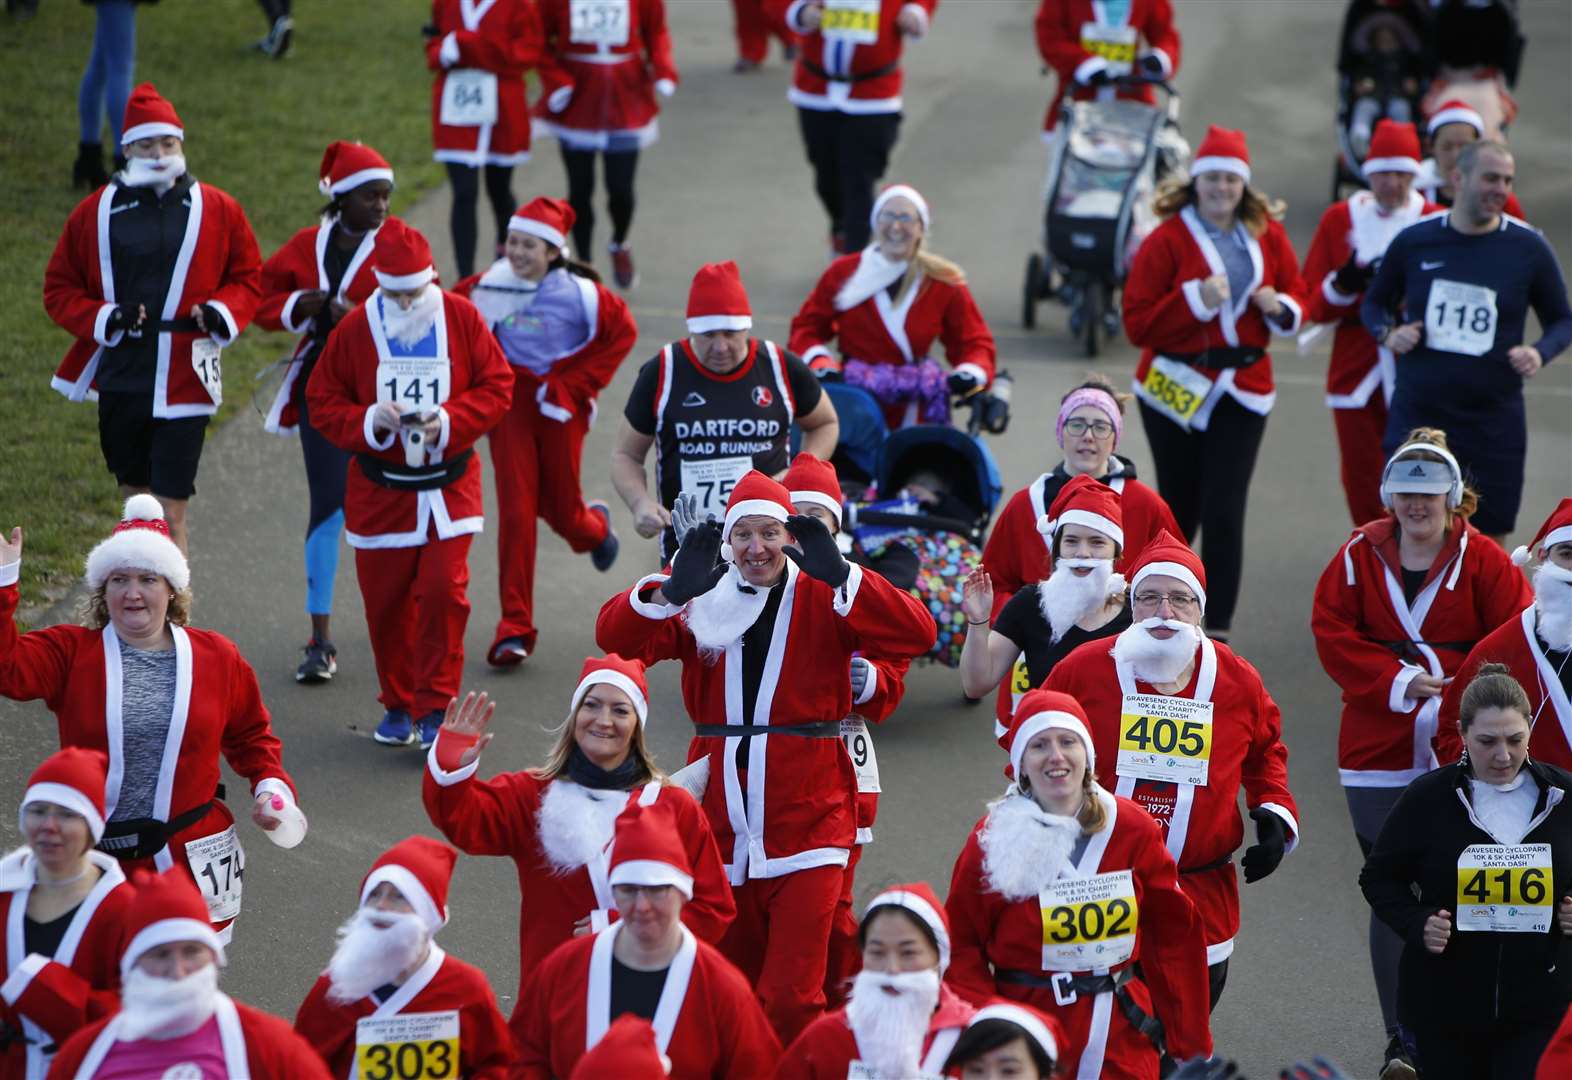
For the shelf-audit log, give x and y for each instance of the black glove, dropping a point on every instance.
(1351, 278)
(697, 566)
(1207, 1069)
(1271, 840)
(119, 319)
(816, 554)
(962, 383)
(214, 321)
(1151, 66)
(1099, 77)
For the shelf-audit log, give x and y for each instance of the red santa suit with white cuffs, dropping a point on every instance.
(1200, 821)
(850, 62)
(603, 62)
(444, 996)
(1078, 38)
(479, 115)
(412, 541)
(559, 832)
(706, 1020)
(1034, 945)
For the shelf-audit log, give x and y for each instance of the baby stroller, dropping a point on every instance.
(1107, 160)
(1384, 62)
(1479, 49)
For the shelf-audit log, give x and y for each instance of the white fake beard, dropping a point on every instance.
(889, 1012)
(875, 273)
(146, 172)
(1024, 847)
(1553, 604)
(369, 955)
(409, 327)
(155, 1008)
(721, 616)
(575, 824)
(1066, 598)
(1155, 660)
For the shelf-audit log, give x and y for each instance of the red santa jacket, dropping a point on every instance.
(1515, 644)
(577, 377)
(806, 786)
(295, 269)
(877, 703)
(708, 1022)
(1372, 641)
(221, 269)
(851, 62)
(1077, 38)
(990, 934)
(443, 989)
(1200, 822)
(342, 396)
(256, 1044)
(508, 816)
(1164, 313)
(827, 1048)
(46, 998)
(500, 38)
(1556, 1061)
(1356, 226)
(607, 55)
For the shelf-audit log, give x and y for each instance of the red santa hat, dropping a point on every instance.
(1088, 502)
(1171, 557)
(149, 115)
(717, 300)
(140, 542)
(549, 219)
(420, 868)
(646, 849)
(1393, 148)
(168, 909)
(347, 165)
(1040, 710)
(401, 257)
(613, 670)
(628, 1051)
(755, 495)
(920, 900)
(1223, 150)
(812, 480)
(899, 191)
(1557, 529)
(73, 778)
(1455, 112)
(1041, 1028)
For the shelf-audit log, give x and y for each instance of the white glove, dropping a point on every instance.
(448, 55)
(685, 515)
(665, 87)
(859, 676)
(559, 98)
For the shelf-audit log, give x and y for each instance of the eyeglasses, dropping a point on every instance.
(892, 217)
(1077, 427)
(1181, 603)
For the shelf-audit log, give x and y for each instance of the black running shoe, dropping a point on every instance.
(1396, 1064)
(320, 664)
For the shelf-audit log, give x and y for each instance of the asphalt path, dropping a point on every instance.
(728, 180)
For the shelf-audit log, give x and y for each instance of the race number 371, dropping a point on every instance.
(413, 1046)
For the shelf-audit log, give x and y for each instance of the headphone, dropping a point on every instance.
(1454, 494)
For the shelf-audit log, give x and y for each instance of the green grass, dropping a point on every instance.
(254, 127)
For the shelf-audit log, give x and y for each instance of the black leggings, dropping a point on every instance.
(274, 9)
(466, 198)
(1452, 1048)
(1204, 476)
(620, 167)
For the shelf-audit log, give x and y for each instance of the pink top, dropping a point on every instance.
(199, 1054)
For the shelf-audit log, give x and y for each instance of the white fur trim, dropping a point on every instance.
(368, 428)
(651, 872)
(1458, 114)
(68, 797)
(101, 327)
(752, 508)
(611, 678)
(137, 549)
(703, 324)
(1073, 516)
(1288, 819)
(974, 370)
(1021, 1019)
(1192, 296)
(1334, 295)
(818, 498)
(576, 826)
(1173, 570)
(813, 353)
(230, 324)
(919, 907)
(901, 191)
(441, 776)
(1087, 68)
(1039, 722)
(20, 979)
(405, 282)
(143, 507)
(1391, 164)
(1561, 535)
(1164, 61)
(10, 573)
(531, 227)
(355, 179)
(149, 131)
(793, 16)
(1237, 166)
(404, 880)
(166, 932)
(657, 609)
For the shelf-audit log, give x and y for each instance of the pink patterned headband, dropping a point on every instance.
(1097, 399)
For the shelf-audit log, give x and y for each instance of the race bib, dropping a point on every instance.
(1176, 390)
(409, 1046)
(598, 22)
(1165, 738)
(204, 361)
(859, 1070)
(469, 98)
(1115, 44)
(414, 383)
(712, 480)
(853, 21)
(1089, 922)
(1460, 318)
(1505, 888)
(218, 863)
(1020, 680)
(859, 744)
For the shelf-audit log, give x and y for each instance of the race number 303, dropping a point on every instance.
(416, 1046)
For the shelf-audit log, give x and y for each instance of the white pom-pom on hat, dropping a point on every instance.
(1520, 555)
(140, 542)
(143, 507)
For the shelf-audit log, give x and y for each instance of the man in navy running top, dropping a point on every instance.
(1461, 282)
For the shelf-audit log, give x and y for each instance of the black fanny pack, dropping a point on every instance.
(142, 838)
(1224, 356)
(414, 478)
(829, 729)
(857, 78)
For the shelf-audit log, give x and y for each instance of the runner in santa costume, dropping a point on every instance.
(755, 633)
(173, 1018)
(1535, 643)
(1090, 43)
(604, 62)
(408, 383)
(308, 286)
(885, 306)
(389, 984)
(62, 904)
(1396, 611)
(1183, 724)
(649, 964)
(1451, 127)
(1065, 898)
(154, 274)
(565, 334)
(1007, 1038)
(1348, 243)
(480, 50)
(753, 28)
(555, 821)
(901, 1020)
(1208, 289)
(163, 700)
(847, 89)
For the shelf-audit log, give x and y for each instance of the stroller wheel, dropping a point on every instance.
(1032, 290)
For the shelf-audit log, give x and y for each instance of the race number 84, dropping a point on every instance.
(1094, 920)
(437, 1060)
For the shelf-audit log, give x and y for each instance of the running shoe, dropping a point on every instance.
(395, 729)
(280, 37)
(426, 727)
(320, 664)
(1399, 1066)
(743, 65)
(622, 271)
(509, 652)
(606, 552)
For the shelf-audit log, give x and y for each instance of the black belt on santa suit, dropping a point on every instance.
(1067, 986)
(863, 76)
(1221, 356)
(414, 478)
(829, 729)
(1204, 868)
(142, 838)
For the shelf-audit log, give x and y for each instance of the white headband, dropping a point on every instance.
(1048, 526)
(649, 872)
(610, 677)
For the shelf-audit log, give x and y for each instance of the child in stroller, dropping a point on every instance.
(1383, 66)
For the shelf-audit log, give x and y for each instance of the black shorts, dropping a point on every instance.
(144, 452)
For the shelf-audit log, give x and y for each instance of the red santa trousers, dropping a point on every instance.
(1359, 433)
(780, 940)
(417, 605)
(754, 28)
(845, 955)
